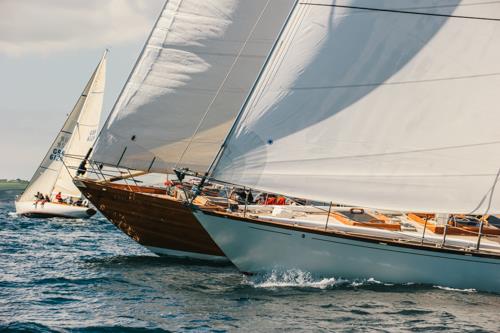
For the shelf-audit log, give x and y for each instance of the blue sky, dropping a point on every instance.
(48, 50)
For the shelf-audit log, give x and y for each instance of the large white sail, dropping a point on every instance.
(84, 132)
(76, 137)
(380, 103)
(195, 72)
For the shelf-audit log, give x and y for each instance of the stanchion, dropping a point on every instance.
(328, 216)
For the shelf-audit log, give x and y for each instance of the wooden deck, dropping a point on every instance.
(454, 230)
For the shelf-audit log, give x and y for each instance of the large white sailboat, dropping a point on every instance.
(384, 105)
(51, 192)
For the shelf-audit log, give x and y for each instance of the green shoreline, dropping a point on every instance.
(18, 184)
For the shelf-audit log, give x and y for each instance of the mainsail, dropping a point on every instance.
(75, 138)
(381, 103)
(194, 73)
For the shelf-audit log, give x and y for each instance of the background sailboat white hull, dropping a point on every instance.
(262, 248)
(50, 209)
(74, 139)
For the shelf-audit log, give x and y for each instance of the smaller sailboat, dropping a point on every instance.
(51, 192)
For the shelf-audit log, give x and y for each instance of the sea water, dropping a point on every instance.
(61, 275)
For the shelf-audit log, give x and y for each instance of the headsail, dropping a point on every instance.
(381, 103)
(84, 133)
(76, 137)
(196, 69)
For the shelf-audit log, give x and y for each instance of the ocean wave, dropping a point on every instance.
(456, 289)
(292, 278)
(23, 327)
(300, 279)
(72, 281)
(14, 327)
(12, 214)
(120, 329)
(296, 278)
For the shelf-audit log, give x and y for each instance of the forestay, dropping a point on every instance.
(76, 137)
(390, 104)
(190, 81)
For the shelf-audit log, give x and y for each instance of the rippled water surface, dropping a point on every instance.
(85, 276)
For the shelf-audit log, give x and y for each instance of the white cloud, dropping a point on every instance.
(51, 26)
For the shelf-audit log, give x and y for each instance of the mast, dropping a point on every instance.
(213, 165)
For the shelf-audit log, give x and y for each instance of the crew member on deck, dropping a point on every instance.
(38, 198)
(281, 200)
(271, 199)
(169, 187)
(82, 169)
(59, 197)
(260, 199)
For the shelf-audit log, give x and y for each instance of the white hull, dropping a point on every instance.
(50, 209)
(262, 248)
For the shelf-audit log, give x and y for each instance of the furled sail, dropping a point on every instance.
(377, 103)
(195, 71)
(76, 137)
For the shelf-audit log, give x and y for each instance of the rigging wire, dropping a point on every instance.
(253, 90)
(219, 90)
(409, 12)
(114, 109)
(268, 71)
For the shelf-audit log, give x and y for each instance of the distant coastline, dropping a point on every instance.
(9, 188)
(13, 184)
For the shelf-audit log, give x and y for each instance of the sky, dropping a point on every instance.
(48, 51)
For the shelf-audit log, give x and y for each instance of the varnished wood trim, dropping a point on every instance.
(149, 219)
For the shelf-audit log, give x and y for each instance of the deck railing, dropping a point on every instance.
(102, 172)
